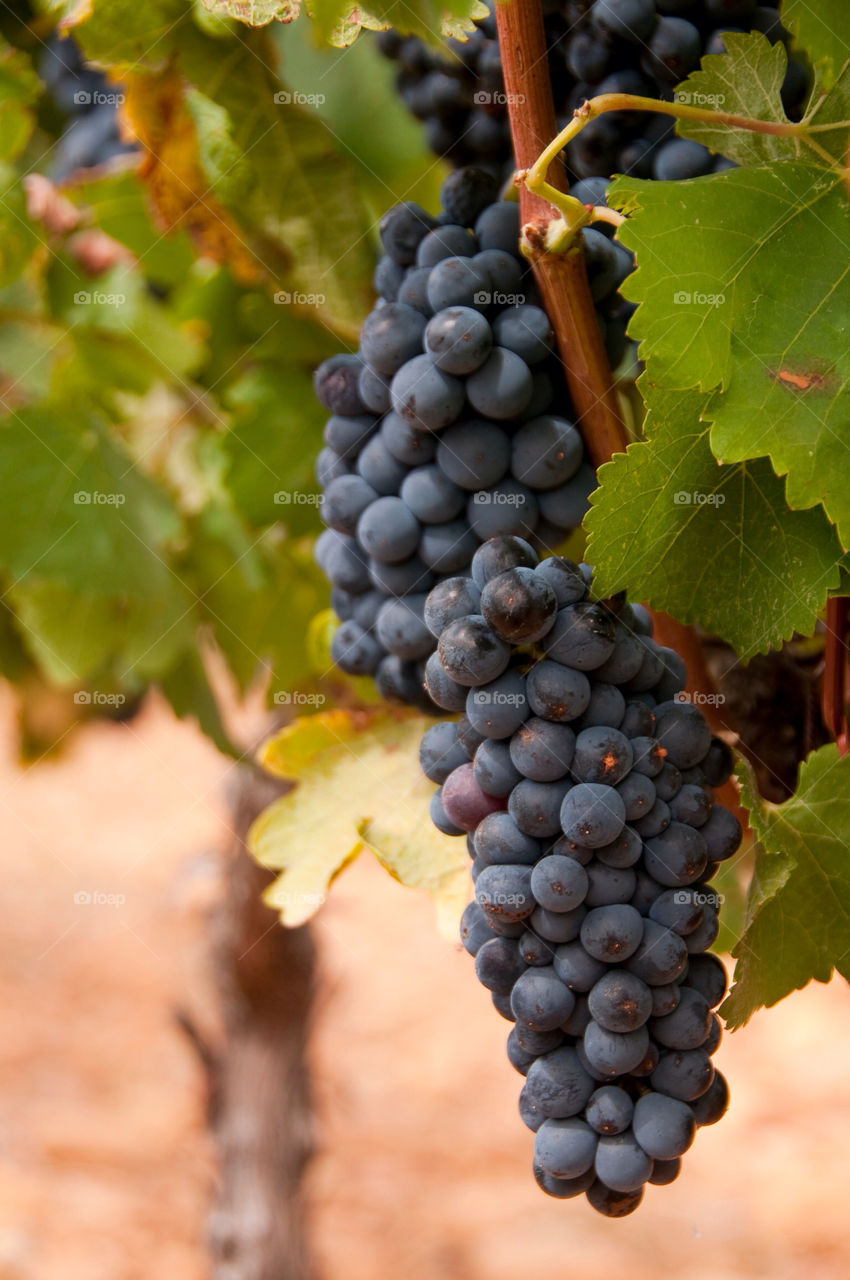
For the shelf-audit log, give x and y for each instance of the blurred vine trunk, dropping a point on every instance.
(260, 1097)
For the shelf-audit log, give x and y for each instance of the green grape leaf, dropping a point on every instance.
(710, 544)
(746, 81)
(797, 925)
(78, 511)
(80, 636)
(820, 29)
(358, 785)
(729, 308)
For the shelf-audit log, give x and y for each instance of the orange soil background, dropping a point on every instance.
(423, 1165)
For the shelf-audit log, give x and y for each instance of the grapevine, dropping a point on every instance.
(455, 400)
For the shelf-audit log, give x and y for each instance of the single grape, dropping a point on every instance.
(547, 452)
(614, 1053)
(471, 652)
(494, 770)
(498, 964)
(539, 1000)
(425, 396)
(564, 577)
(619, 1001)
(582, 637)
(542, 750)
(661, 956)
(499, 840)
(402, 230)
(558, 1084)
(565, 1148)
(335, 384)
(391, 336)
(592, 814)
(451, 599)
(526, 331)
(676, 856)
(519, 606)
(536, 806)
(614, 933)
(556, 692)
(440, 752)
(431, 496)
(444, 242)
(713, 1104)
(608, 885)
(621, 1163)
(458, 339)
(353, 650)
(559, 883)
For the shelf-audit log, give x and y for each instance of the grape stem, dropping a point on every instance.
(561, 277)
(535, 177)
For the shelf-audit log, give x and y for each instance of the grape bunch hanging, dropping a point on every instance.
(580, 775)
(643, 47)
(451, 424)
(582, 779)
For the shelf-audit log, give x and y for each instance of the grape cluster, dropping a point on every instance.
(450, 426)
(643, 47)
(88, 101)
(583, 782)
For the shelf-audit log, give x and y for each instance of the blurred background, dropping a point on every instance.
(160, 1024)
(422, 1164)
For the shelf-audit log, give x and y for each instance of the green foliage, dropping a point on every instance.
(797, 924)
(708, 543)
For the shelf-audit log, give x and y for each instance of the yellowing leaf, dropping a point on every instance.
(358, 784)
(159, 118)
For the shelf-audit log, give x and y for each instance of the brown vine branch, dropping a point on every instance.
(562, 278)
